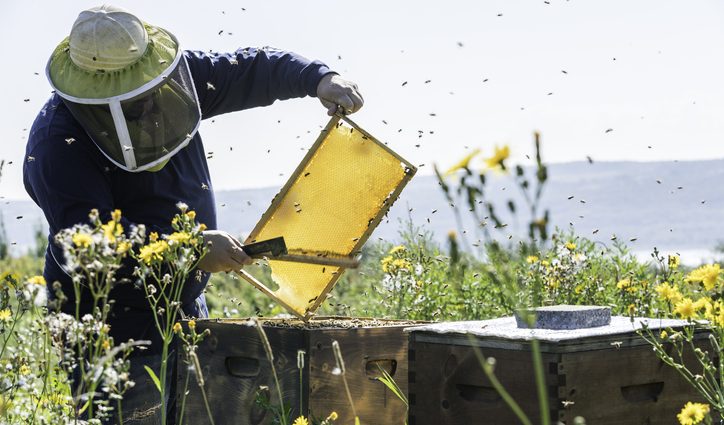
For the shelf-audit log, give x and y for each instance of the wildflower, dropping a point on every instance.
(401, 263)
(82, 240)
(192, 324)
(500, 155)
(579, 289)
(693, 413)
(685, 308)
(707, 274)
(153, 252)
(570, 246)
(631, 309)
(202, 227)
(553, 283)
(116, 215)
(385, 262)
(112, 230)
(106, 345)
(463, 163)
(531, 259)
(24, 370)
(663, 335)
(5, 315)
(674, 261)
(669, 292)
(191, 215)
(623, 284)
(703, 303)
(179, 237)
(177, 327)
(396, 249)
(153, 237)
(123, 247)
(301, 421)
(332, 416)
(182, 206)
(36, 280)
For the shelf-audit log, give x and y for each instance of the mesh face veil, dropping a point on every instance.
(146, 126)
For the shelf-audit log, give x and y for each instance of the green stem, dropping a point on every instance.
(120, 413)
(208, 409)
(545, 415)
(505, 395)
(183, 397)
(162, 379)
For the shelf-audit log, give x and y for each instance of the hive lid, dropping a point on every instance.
(504, 333)
(330, 205)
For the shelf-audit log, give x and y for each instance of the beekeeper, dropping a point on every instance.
(121, 132)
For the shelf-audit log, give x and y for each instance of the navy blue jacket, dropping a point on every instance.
(68, 179)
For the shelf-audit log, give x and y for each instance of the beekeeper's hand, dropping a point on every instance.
(334, 90)
(224, 253)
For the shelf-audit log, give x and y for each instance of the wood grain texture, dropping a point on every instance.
(607, 386)
(234, 366)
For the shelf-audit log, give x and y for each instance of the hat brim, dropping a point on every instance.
(74, 81)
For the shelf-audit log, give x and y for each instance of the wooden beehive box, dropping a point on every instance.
(608, 375)
(234, 366)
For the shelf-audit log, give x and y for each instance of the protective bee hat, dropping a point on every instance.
(129, 86)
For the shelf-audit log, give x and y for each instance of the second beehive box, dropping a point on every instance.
(608, 375)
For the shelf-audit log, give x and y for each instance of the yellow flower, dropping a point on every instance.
(570, 246)
(554, 283)
(24, 369)
(669, 292)
(153, 252)
(301, 421)
(332, 416)
(192, 324)
(579, 289)
(545, 263)
(116, 215)
(463, 163)
(191, 215)
(153, 237)
(386, 263)
(623, 284)
(707, 274)
(5, 315)
(531, 259)
(123, 247)
(703, 303)
(685, 308)
(396, 249)
(179, 237)
(631, 309)
(106, 345)
(82, 240)
(177, 327)
(500, 155)
(401, 263)
(37, 280)
(674, 261)
(664, 335)
(202, 227)
(693, 413)
(112, 230)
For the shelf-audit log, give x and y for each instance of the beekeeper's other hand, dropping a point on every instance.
(334, 90)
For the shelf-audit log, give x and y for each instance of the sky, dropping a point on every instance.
(610, 80)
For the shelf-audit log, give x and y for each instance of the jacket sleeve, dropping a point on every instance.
(251, 77)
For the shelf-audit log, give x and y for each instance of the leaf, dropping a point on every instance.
(153, 376)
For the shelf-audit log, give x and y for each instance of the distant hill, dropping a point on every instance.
(671, 205)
